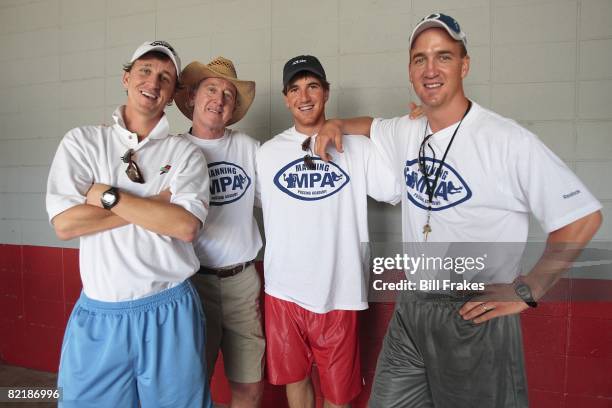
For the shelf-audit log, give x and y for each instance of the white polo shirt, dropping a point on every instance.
(230, 234)
(316, 220)
(129, 262)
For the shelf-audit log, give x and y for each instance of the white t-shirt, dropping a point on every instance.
(230, 234)
(495, 174)
(129, 262)
(316, 220)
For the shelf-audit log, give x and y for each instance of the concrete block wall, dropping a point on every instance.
(545, 63)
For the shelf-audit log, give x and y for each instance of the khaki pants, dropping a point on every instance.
(233, 323)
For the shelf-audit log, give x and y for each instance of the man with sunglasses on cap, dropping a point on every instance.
(136, 197)
(315, 219)
(213, 98)
(470, 176)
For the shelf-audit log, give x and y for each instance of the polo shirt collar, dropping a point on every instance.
(160, 131)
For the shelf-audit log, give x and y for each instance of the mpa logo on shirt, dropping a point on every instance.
(450, 191)
(228, 182)
(299, 182)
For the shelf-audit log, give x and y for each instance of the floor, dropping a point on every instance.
(11, 376)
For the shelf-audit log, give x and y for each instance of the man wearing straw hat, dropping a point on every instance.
(214, 98)
(136, 334)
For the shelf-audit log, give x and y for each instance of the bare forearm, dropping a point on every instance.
(158, 216)
(90, 218)
(85, 219)
(332, 131)
(355, 126)
(563, 246)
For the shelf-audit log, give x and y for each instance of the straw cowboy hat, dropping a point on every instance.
(220, 67)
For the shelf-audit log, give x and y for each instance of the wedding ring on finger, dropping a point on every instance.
(485, 307)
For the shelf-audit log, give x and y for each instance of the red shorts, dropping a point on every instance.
(295, 337)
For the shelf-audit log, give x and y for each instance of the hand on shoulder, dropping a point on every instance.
(330, 132)
(416, 111)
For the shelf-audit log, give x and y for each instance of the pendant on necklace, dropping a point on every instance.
(426, 230)
(427, 227)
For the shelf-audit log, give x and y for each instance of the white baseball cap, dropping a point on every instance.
(161, 46)
(442, 21)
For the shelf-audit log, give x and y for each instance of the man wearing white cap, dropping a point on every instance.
(136, 197)
(213, 98)
(470, 175)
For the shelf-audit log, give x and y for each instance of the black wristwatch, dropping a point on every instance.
(110, 198)
(524, 292)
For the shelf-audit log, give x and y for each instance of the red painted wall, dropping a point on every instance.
(568, 345)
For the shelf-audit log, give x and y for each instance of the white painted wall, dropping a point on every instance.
(546, 63)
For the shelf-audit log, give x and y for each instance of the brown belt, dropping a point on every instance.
(225, 273)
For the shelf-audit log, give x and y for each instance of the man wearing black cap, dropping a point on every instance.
(469, 175)
(314, 261)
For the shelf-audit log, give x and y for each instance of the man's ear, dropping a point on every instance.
(326, 95)
(124, 79)
(409, 74)
(191, 99)
(465, 66)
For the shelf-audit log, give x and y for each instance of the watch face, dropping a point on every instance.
(523, 291)
(108, 198)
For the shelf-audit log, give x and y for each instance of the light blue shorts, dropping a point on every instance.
(148, 351)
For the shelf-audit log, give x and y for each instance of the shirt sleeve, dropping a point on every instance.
(190, 185)
(383, 135)
(550, 190)
(70, 176)
(382, 183)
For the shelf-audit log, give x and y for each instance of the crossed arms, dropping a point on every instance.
(154, 213)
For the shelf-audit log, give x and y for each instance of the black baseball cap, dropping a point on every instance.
(302, 63)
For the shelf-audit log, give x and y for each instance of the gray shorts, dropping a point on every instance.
(431, 357)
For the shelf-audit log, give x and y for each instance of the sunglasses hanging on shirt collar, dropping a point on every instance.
(308, 160)
(132, 171)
